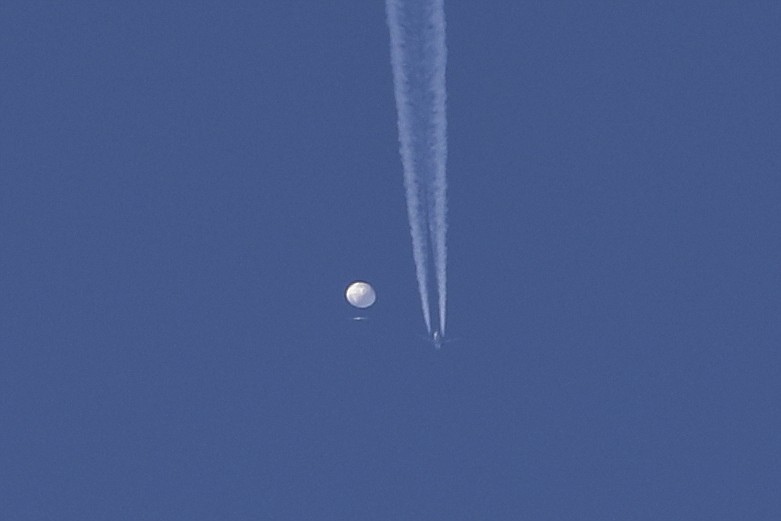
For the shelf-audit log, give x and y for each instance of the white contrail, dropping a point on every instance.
(438, 217)
(418, 57)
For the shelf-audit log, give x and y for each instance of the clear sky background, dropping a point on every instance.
(187, 187)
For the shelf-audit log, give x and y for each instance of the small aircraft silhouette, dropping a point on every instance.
(438, 340)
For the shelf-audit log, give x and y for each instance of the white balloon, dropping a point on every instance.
(360, 294)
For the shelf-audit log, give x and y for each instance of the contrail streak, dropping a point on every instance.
(418, 58)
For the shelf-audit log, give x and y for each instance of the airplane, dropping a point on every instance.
(438, 340)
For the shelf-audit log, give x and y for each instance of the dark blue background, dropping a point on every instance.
(187, 188)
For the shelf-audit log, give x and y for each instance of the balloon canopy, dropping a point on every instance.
(360, 294)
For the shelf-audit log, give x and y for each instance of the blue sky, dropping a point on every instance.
(187, 188)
